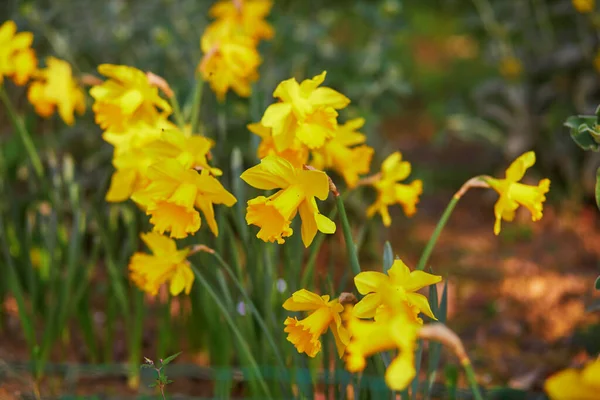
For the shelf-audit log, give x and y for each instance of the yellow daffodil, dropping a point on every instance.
(390, 192)
(127, 96)
(17, 58)
(511, 67)
(130, 174)
(323, 314)
(339, 155)
(54, 87)
(173, 194)
(399, 286)
(299, 187)
(247, 16)
(191, 151)
(137, 135)
(398, 333)
(229, 61)
(306, 112)
(296, 154)
(584, 6)
(574, 384)
(166, 264)
(512, 193)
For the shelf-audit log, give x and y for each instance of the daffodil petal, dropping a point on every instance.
(369, 281)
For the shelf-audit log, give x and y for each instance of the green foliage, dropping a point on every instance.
(584, 131)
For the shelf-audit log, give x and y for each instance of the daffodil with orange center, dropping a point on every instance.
(125, 98)
(174, 193)
(390, 192)
(396, 333)
(339, 154)
(230, 61)
(575, 384)
(513, 193)
(305, 112)
(298, 189)
(297, 154)
(54, 87)
(166, 264)
(323, 314)
(399, 286)
(247, 16)
(17, 58)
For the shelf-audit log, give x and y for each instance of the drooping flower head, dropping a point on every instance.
(346, 153)
(512, 193)
(323, 314)
(297, 154)
(305, 112)
(54, 87)
(17, 58)
(230, 61)
(247, 17)
(298, 189)
(174, 193)
(397, 333)
(574, 384)
(384, 293)
(166, 264)
(125, 98)
(390, 192)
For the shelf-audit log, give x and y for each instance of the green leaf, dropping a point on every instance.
(388, 257)
(598, 188)
(583, 132)
(597, 284)
(167, 360)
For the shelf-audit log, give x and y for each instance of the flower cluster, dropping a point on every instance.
(229, 45)
(52, 88)
(162, 168)
(387, 318)
(300, 137)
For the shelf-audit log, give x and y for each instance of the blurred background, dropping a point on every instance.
(460, 87)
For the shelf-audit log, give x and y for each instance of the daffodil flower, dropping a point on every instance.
(166, 264)
(17, 58)
(368, 338)
(54, 87)
(299, 187)
(296, 154)
(323, 314)
(173, 194)
(127, 96)
(229, 61)
(246, 15)
(571, 384)
(512, 193)
(390, 192)
(192, 151)
(345, 153)
(584, 6)
(398, 287)
(306, 112)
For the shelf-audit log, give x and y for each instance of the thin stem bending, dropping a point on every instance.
(477, 181)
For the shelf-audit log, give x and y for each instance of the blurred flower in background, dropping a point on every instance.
(17, 58)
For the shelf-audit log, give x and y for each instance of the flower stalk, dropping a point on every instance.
(350, 246)
(17, 122)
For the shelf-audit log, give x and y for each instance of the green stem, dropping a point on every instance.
(177, 111)
(436, 233)
(196, 103)
(22, 131)
(135, 340)
(472, 381)
(350, 246)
